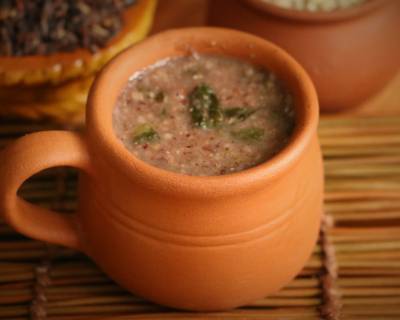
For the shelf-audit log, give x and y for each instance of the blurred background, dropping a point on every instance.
(354, 59)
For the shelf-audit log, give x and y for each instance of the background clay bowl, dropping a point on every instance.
(350, 54)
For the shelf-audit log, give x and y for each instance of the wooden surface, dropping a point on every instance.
(387, 102)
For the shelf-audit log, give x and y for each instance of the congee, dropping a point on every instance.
(204, 115)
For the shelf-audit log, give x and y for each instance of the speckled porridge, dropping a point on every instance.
(204, 115)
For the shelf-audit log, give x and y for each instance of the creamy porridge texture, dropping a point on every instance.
(204, 115)
(316, 5)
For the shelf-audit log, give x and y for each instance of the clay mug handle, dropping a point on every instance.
(22, 159)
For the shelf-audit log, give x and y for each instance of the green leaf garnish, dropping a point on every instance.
(248, 134)
(144, 133)
(159, 97)
(204, 107)
(238, 114)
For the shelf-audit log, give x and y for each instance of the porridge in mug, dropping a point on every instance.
(204, 115)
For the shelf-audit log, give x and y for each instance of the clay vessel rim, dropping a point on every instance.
(316, 17)
(99, 120)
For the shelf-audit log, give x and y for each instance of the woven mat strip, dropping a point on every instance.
(42, 271)
(362, 197)
(38, 304)
(332, 305)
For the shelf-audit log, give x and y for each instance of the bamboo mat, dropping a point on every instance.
(354, 272)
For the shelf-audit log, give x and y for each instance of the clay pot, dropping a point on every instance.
(350, 54)
(197, 243)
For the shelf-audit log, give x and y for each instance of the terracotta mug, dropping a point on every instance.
(197, 243)
(350, 54)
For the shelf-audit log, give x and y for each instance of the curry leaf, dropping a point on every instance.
(237, 114)
(249, 134)
(204, 107)
(144, 133)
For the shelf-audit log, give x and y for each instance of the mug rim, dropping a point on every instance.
(99, 117)
(315, 17)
